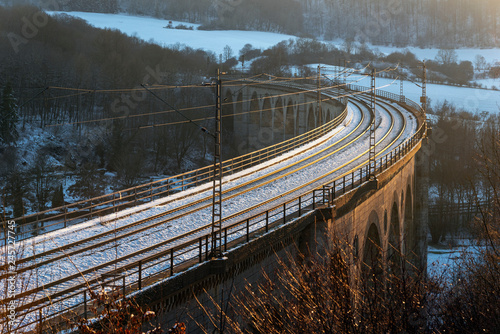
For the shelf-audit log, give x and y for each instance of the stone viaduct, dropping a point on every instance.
(276, 114)
(380, 218)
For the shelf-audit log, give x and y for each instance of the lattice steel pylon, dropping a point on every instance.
(217, 181)
(401, 89)
(320, 113)
(371, 161)
(423, 98)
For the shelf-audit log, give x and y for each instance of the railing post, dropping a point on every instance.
(343, 188)
(334, 188)
(172, 261)
(201, 250)
(267, 221)
(65, 216)
(300, 206)
(40, 321)
(85, 304)
(284, 213)
(360, 175)
(352, 181)
(225, 239)
(124, 294)
(248, 230)
(139, 283)
(206, 247)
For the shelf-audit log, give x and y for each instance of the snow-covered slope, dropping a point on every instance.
(470, 99)
(152, 29)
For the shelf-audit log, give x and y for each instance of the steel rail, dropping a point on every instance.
(155, 247)
(64, 248)
(411, 140)
(174, 183)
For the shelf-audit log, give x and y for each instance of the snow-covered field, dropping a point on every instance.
(443, 260)
(470, 99)
(489, 83)
(152, 29)
(490, 55)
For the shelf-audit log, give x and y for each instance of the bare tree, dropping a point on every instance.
(447, 56)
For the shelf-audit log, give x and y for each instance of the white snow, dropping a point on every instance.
(152, 29)
(491, 55)
(442, 260)
(469, 99)
(489, 83)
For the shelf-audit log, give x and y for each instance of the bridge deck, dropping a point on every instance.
(170, 235)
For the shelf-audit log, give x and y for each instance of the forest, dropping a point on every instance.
(424, 23)
(80, 86)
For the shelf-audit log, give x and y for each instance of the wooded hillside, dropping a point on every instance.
(438, 23)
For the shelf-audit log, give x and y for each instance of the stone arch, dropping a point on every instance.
(267, 112)
(290, 120)
(310, 119)
(228, 113)
(278, 121)
(372, 254)
(297, 121)
(410, 232)
(328, 116)
(319, 117)
(254, 109)
(355, 247)
(238, 110)
(402, 201)
(394, 240)
(385, 221)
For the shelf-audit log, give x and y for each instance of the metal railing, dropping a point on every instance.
(194, 246)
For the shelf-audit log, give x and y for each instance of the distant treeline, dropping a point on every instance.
(59, 70)
(37, 51)
(438, 23)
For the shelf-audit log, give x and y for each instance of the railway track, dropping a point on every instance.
(66, 290)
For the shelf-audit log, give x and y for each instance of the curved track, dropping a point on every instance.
(102, 248)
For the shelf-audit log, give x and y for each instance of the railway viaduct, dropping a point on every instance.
(379, 208)
(277, 113)
(381, 216)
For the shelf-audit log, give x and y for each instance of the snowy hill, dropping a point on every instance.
(153, 29)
